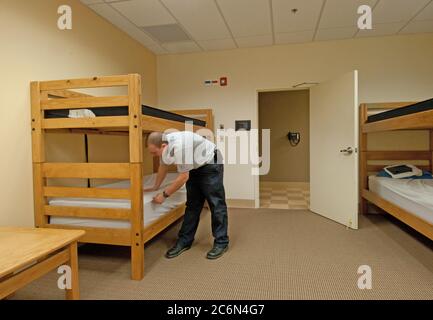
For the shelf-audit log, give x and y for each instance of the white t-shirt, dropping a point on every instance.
(188, 151)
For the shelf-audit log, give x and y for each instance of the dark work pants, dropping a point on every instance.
(205, 183)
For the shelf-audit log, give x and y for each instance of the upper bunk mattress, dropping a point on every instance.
(123, 111)
(151, 211)
(413, 195)
(413, 108)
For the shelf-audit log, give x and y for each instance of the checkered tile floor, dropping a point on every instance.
(281, 197)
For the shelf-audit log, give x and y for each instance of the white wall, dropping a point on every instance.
(396, 68)
(33, 48)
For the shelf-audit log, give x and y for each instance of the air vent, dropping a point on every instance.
(167, 33)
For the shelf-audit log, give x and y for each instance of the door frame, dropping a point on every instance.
(258, 91)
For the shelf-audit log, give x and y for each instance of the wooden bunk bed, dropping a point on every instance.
(395, 116)
(129, 120)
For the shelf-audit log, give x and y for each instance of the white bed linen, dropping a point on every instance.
(151, 211)
(413, 195)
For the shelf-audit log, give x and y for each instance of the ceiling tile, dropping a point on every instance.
(200, 18)
(119, 21)
(255, 41)
(426, 14)
(388, 11)
(305, 18)
(247, 17)
(144, 13)
(381, 29)
(221, 44)
(181, 47)
(342, 13)
(335, 33)
(250, 20)
(418, 27)
(294, 37)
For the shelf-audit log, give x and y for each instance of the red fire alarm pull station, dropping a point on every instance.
(223, 81)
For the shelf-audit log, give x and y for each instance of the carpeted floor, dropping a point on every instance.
(274, 254)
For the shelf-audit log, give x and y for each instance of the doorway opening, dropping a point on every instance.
(287, 115)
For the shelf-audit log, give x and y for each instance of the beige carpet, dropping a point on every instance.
(274, 254)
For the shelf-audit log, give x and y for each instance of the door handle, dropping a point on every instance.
(347, 151)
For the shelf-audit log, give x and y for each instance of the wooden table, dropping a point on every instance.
(27, 254)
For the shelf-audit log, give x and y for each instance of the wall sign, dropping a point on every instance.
(222, 81)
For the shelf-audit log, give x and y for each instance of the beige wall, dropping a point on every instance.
(34, 49)
(284, 111)
(390, 69)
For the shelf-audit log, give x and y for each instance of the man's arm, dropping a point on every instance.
(160, 176)
(181, 179)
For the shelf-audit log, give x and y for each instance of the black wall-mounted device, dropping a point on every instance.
(243, 125)
(294, 138)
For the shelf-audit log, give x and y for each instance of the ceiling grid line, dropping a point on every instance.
(318, 20)
(226, 23)
(180, 25)
(414, 16)
(115, 1)
(129, 20)
(170, 27)
(271, 9)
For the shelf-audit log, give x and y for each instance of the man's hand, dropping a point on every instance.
(179, 182)
(150, 189)
(159, 198)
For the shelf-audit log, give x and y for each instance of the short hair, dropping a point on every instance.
(156, 138)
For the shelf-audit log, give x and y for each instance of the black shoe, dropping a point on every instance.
(176, 250)
(216, 252)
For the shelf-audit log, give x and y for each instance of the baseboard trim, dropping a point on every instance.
(240, 203)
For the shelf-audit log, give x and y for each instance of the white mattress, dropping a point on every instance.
(413, 195)
(151, 211)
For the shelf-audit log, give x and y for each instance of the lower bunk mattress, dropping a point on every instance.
(151, 211)
(413, 195)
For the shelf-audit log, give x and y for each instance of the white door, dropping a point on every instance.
(334, 149)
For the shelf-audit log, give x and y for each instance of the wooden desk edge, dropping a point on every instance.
(68, 255)
(80, 233)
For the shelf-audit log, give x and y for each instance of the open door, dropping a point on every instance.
(334, 149)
